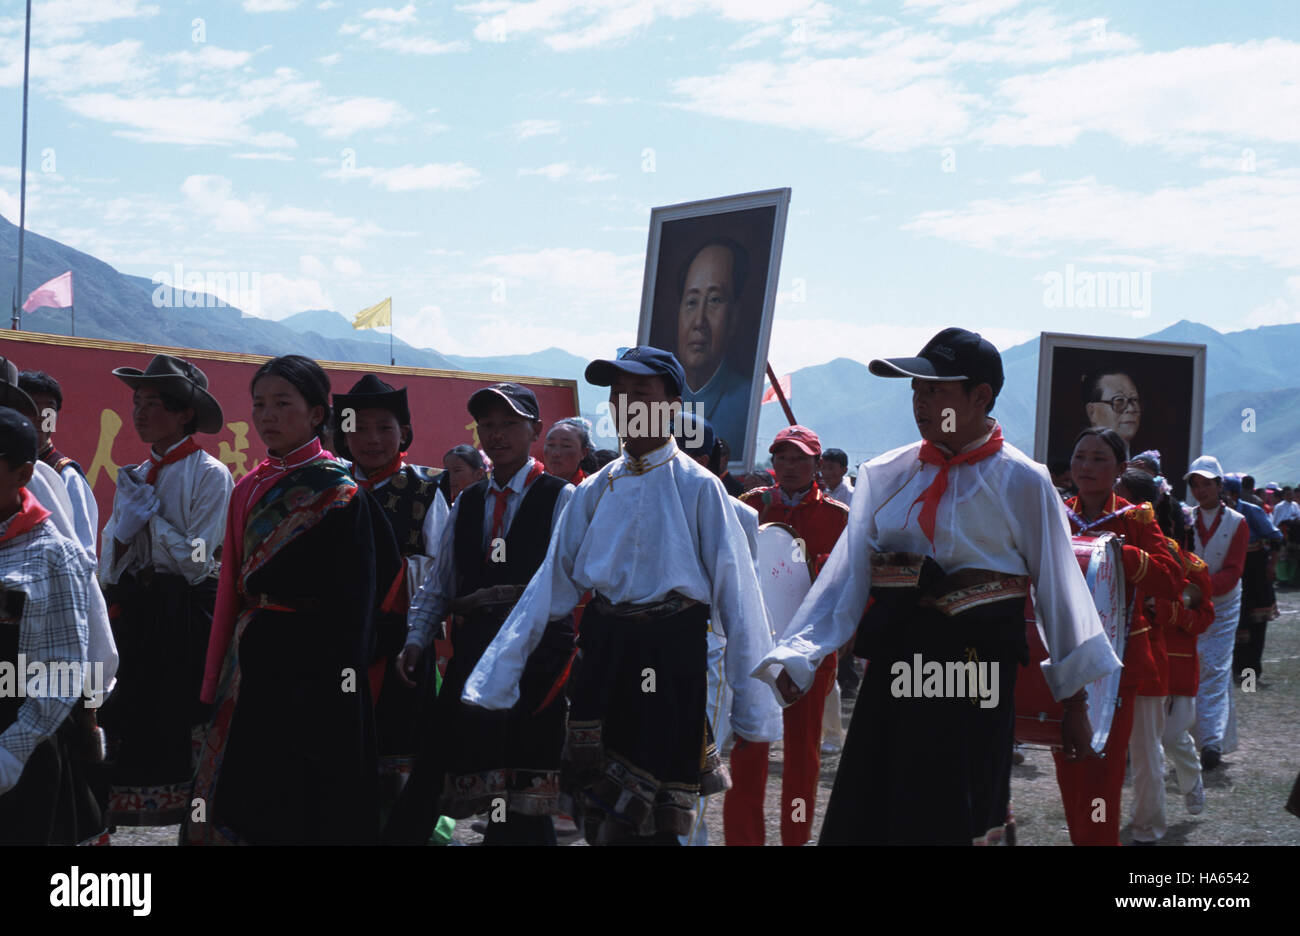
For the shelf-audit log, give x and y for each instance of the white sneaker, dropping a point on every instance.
(1195, 800)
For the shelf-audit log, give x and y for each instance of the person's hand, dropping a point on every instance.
(408, 661)
(134, 510)
(1076, 729)
(786, 686)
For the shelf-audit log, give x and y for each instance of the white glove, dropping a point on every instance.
(135, 508)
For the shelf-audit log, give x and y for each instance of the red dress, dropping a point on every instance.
(1091, 788)
(1182, 625)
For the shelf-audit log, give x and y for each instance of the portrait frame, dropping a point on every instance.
(1170, 381)
(677, 231)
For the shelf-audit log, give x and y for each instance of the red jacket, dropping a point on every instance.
(1182, 625)
(1149, 570)
(817, 519)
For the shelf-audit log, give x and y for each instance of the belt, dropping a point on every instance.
(673, 603)
(951, 594)
(485, 599)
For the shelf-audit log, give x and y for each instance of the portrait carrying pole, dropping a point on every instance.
(780, 394)
(22, 176)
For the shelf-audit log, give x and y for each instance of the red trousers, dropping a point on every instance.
(1084, 782)
(742, 807)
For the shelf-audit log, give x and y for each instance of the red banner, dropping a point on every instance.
(95, 427)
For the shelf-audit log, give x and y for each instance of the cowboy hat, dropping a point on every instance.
(179, 379)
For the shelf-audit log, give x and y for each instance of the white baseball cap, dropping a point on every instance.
(1207, 466)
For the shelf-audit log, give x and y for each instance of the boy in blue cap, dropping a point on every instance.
(654, 536)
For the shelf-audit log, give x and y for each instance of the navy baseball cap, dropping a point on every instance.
(953, 354)
(17, 437)
(644, 361)
(520, 399)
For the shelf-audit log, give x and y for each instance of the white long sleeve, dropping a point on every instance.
(633, 539)
(1001, 514)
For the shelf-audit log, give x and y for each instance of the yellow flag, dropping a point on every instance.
(379, 314)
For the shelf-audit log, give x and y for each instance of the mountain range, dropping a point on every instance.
(849, 408)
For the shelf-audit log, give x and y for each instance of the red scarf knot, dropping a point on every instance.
(182, 450)
(392, 468)
(931, 454)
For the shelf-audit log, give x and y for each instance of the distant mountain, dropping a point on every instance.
(852, 410)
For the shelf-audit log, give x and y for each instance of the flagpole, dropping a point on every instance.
(392, 360)
(73, 308)
(22, 179)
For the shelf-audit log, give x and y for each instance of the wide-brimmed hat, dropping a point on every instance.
(372, 393)
(11, 395)
(181, 380)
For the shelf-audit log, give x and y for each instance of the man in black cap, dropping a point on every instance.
(159, 565)
(654, 536)
(471, 762)
(945, 534)
(372, 434)
(45, 580)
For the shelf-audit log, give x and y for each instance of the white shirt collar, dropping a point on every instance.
(156, 457)
(516, 482)
(992, 424)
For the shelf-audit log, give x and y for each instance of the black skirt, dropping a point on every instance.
(928, 771)
(1257, 597)
(637, 744)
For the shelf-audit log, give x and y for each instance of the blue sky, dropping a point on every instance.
(486, 163)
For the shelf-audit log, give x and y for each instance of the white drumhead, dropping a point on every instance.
(783, 574)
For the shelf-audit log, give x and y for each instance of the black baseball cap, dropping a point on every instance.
(644, 361)
(17, 437)
(953, 354)
(520, 399)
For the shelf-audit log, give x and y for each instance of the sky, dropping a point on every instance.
(492, 165)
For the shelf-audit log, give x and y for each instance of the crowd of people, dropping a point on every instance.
(346, 647)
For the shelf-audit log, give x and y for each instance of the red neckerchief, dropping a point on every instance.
(578, 477)
(29, 516)
(502, 495)
(931, 454)
(1200, 527)
(182, 450)
(392, 468)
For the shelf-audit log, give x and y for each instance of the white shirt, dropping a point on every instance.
(1285, 511)
(46, 486)
(634, 538)
(1000, 513)
(85, 512)
(429, 606)
(193, 496)
(843, 492)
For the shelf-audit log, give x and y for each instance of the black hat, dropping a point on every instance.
(520, 399)
(643, 361)
(372, 393)
(180, 379)
(953, 354)
(11, 395)
(17, 437)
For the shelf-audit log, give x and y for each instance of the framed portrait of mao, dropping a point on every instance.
(708, 297)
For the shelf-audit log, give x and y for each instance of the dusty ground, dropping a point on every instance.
(1244, 795)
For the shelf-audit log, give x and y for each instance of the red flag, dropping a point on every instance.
(56, 294)
(770, 393)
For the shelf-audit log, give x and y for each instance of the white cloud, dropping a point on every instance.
(1282, 310)
(328, 5)
(429, 177)
(54, 20)
(1242, 217)
(282, 296)
(211, 196)
(564, 170)
(344, 117)
(395, 30)
(1177, 99)
(210, 57)
(962, 12)
(176, 119)
(273, 157)
(1033, 177)
(347, 266)
(866, 101)
(69, 67)
(329, 61)
(270, 6)
(526, 129)
(391, 15)
(311, 266)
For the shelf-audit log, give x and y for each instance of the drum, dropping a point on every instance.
(784, 575)
(1038, 715)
